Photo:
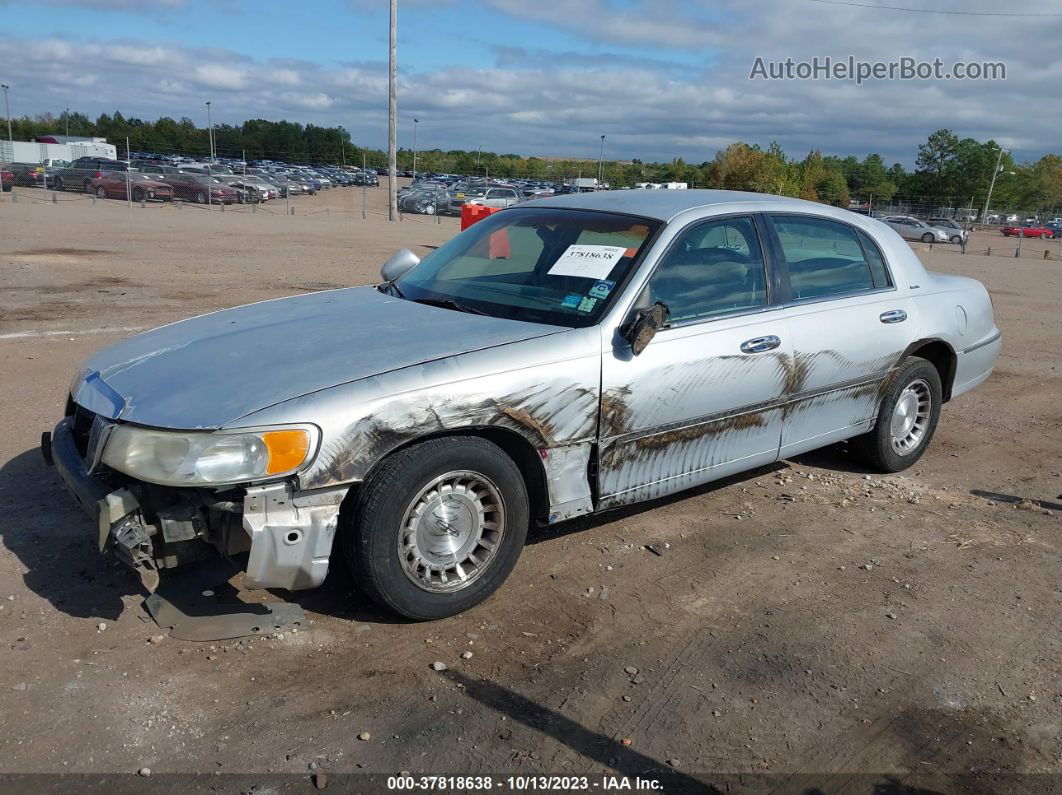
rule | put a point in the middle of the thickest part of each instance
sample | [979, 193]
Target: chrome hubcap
[451, 531]
[910, 417]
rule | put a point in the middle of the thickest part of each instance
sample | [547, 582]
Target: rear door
[849, 326]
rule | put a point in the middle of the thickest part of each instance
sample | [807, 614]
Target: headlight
[173, 458]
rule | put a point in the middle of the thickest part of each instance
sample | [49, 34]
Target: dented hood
[211, 370]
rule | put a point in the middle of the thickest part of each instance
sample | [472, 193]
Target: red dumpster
[470, 213]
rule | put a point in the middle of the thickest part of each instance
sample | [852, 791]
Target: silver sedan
[556, 359]
[911, 228]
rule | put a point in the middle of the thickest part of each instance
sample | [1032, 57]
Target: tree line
[949, 170]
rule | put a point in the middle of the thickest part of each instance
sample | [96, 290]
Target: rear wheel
[101, 192]
[200, 198]
[88, 186]
[907, 418]
[138, 194]
[438, 527]
[57, 184]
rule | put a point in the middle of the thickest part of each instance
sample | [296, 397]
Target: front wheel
[88, 186]
[438, 527]
[927, 238]
[200, 198]
[138, 195]
[907, 418]
[956, 239]
[101, 192]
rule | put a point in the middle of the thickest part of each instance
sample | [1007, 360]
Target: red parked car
[1030, 230]
[111, 185]
[8, 179]
[194, 187]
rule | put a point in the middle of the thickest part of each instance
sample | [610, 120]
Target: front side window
[562, 267]
[824, 257]
[715, 268]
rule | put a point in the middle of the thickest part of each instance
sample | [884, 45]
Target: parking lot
[787, 628]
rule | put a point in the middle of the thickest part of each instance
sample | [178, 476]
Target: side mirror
[399, 263]
[643, 328]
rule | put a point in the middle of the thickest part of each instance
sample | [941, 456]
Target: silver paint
[376, 373]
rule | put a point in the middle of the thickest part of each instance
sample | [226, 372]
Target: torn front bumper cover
[116, 513]
[291, 534]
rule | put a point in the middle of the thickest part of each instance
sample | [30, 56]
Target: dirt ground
[808, 626]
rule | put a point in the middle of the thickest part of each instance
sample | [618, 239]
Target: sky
[659, 78]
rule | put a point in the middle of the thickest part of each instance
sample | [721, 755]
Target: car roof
[665, 204]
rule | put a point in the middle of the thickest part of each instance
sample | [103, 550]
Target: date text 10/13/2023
[543, 783]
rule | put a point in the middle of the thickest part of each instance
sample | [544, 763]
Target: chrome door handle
[760, 344]
[894, 316]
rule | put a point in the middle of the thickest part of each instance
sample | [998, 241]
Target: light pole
[210, 131]
[601, 163]
[66, 117]
[342, 147]
[7, 112]
[392, 111]
[415, 123]
[992, 184]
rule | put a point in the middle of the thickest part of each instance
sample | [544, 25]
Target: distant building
[69, 139]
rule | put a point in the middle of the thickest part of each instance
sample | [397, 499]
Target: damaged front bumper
[287, 535]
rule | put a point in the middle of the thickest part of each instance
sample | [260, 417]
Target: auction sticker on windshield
[587, 261]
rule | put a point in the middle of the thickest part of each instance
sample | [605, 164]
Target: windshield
[541, 265]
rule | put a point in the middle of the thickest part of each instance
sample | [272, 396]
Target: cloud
[641, 79]
[220, 76]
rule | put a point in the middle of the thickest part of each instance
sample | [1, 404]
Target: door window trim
[770, 280]
[782, 265]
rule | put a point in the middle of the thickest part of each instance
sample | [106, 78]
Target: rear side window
[824, 257]
[876, 261]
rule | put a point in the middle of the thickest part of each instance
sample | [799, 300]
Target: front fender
[546, 390]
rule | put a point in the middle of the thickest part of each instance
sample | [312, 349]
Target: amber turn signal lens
[287, 450]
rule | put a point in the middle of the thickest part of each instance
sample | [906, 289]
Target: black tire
[956, 239]
[57, 184]
[927, 238]
[200, 198]
[88, 186]
[372, 526]
[101, 192]
[876, 448]
[138, 194]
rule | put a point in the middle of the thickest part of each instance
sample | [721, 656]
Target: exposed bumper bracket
[291, 535]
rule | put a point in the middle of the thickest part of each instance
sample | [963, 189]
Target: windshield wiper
[447, 303]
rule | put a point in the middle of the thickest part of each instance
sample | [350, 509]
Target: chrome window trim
[770, 304]
[784, 264]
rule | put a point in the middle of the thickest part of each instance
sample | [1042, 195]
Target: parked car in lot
[7, 179]
[956, 233]
[29, 175]
[1055, 227]
[201, 189]
[80, 174]
[141, 187]
[911, 228]
[248, 190]
[1027, 230]
[558, 358]
[425, 199]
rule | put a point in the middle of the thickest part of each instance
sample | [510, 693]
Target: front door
[704, 399]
